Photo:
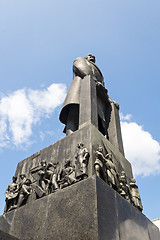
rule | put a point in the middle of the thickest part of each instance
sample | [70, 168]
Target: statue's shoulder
[81, 67]
[79, 60]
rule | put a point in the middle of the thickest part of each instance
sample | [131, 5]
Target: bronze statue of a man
[67, 175]
[99, 163]
[81, 162]
[11, 195]
[70, 111]
[135, 196]
[111, 172]
[124, 189]
[24, 192]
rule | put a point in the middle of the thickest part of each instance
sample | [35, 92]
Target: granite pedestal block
[87, 210]
[6, 236]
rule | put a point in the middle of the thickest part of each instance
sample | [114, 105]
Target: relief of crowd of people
[106, 169]
[47, 177]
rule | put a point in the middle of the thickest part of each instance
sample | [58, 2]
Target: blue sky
[39, 41]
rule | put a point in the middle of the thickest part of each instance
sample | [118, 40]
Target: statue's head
[133, 180]
[43, 163]
[80, 145]
[22, 176]
[100, 149]
[123, 176]
[91, 58]
[28, 181]
[67, 163]
[54, 164]
[14, 179]
[109, 156]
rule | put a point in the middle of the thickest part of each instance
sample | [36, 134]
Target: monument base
[87, 210]
[6, 236]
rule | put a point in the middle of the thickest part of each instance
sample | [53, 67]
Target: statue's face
[28, 182]
[14, 179]
[100, 149]
[22, 176]
[80, 145]
[133, 180]
[43, 163]
[91, 58]
[54, 165]
[67, 163]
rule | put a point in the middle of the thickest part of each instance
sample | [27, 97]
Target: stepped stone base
[87, 210]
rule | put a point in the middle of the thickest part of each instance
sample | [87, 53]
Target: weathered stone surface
[68, 214]
[29, 220]
[87, 210]
[153, 231]
[6, 221]
[73, 213]
[132, 223]
[106, 212]
[6, 236]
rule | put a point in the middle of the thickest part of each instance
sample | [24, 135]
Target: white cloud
[41, 135]
[47, 100]
[126, 117]
[22, 109]
[141, 149]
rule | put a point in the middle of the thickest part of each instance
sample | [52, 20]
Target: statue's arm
[25, 190]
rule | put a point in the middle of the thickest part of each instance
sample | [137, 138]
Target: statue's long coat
[81, 68]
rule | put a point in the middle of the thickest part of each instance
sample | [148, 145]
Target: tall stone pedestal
[88, 210]
[69, 201]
